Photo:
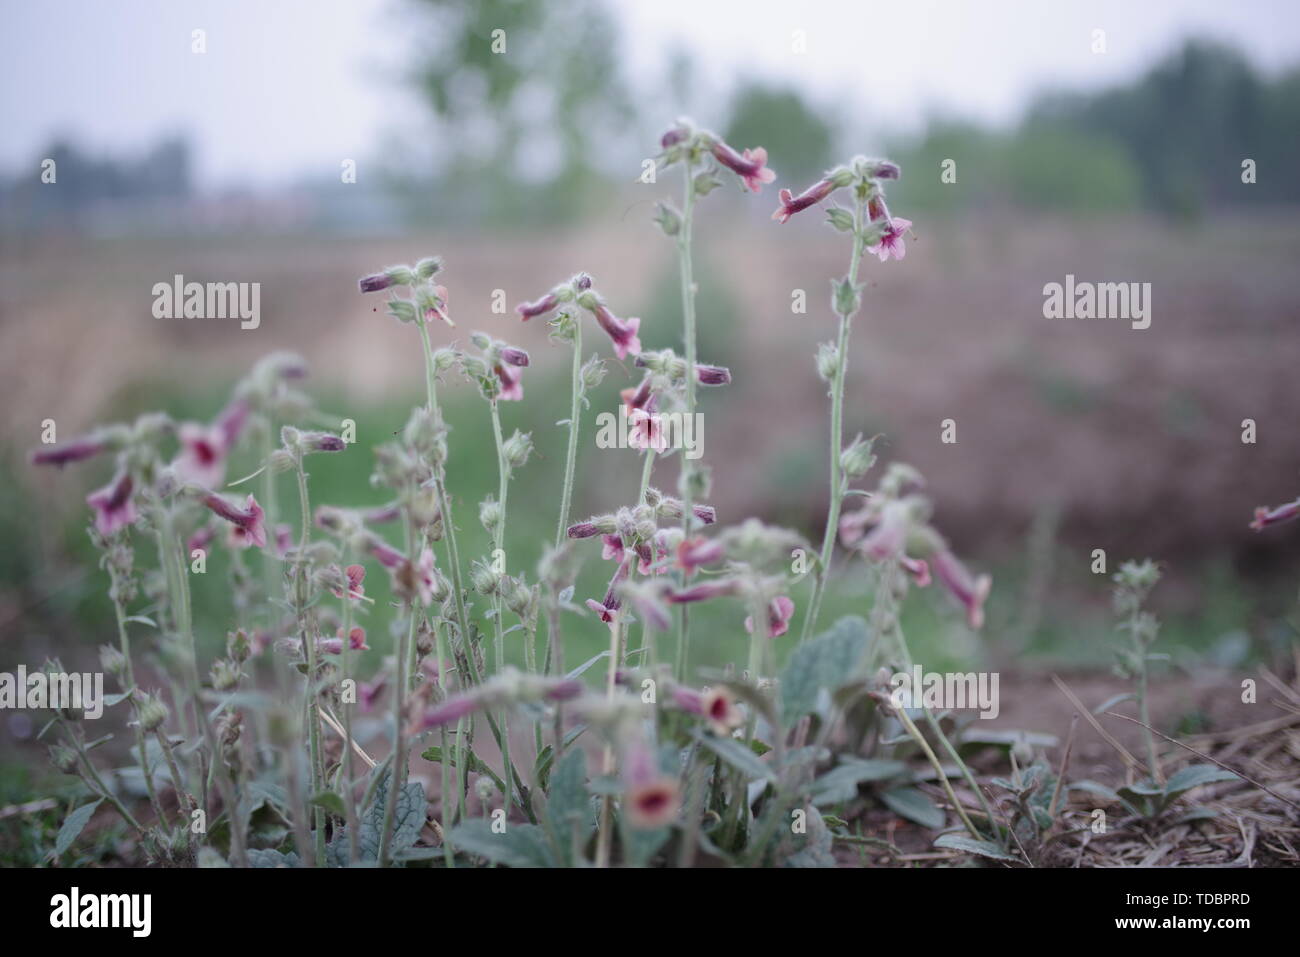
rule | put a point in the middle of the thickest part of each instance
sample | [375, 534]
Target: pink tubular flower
[651, 797]
[621, 331]
[704, 591]
[887, 538]
[716, 705]
[334, 646]
[750, 166]
[649, 607]
[355, 575]
[512, 385]
[1265, 516]
[201, 538]
[78, 450]
[204, 449]
[607, 608]
[969, 591]
[918, 568]
[528, 310]
[712, 375]
[202, 459]
[113, 504]
[437, 309]
[369, 693]
[583, 530]
[813, 195]
[451, 710]
[695, 552]
[283, 539]
[387, 555]
[891, 243]
[779, 612]
[611, 548]
[426, 577]
[247, 523]
[646, 429]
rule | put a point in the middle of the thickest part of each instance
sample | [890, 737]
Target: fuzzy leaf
[738, 756]
[827, 661]
[1194, 776]
[260, 857]
[522, 845]
[964, 842]
[914, 805]
[841, 783]
[72, 827]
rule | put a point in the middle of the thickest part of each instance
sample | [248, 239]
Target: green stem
[837, 416]
[498, 551]
[309, 648]
[399, 741]
[688, 327]
[575, 416]
[350, 769]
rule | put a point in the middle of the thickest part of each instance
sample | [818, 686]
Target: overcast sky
[291, 87]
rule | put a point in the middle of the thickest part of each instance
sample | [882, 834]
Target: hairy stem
[837, 437]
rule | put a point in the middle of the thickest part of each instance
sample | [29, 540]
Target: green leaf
[841, 783]
[964, 842]
[260, 857]
[331, 802]
[827, 661]
[568, 805]
[738, 756]
[546, 757]
[812, 849]
[522, 845]
[912, 804]
[576, 672]
[1195, 776]
[72, 827]
[408, 818]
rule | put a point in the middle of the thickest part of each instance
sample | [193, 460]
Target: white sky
[289, 87]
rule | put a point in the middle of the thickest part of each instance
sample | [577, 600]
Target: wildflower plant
[635, 757]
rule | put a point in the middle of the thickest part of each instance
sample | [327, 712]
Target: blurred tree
[1188, 124]
[528, 97]
[798, 139]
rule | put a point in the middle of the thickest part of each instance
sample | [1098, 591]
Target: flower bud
[489, 514]
[847, 296]
[428, 267]
[593, 372]
[856, 458]
[63, 758]
[224, 675]
[392, 276]
[669, 220]
[517, 449]
[840, 219]
[519, 598]
[484, 578]
[113, 661]
[401, 310]
[828, 361]
[238, 646]
[152, 712]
